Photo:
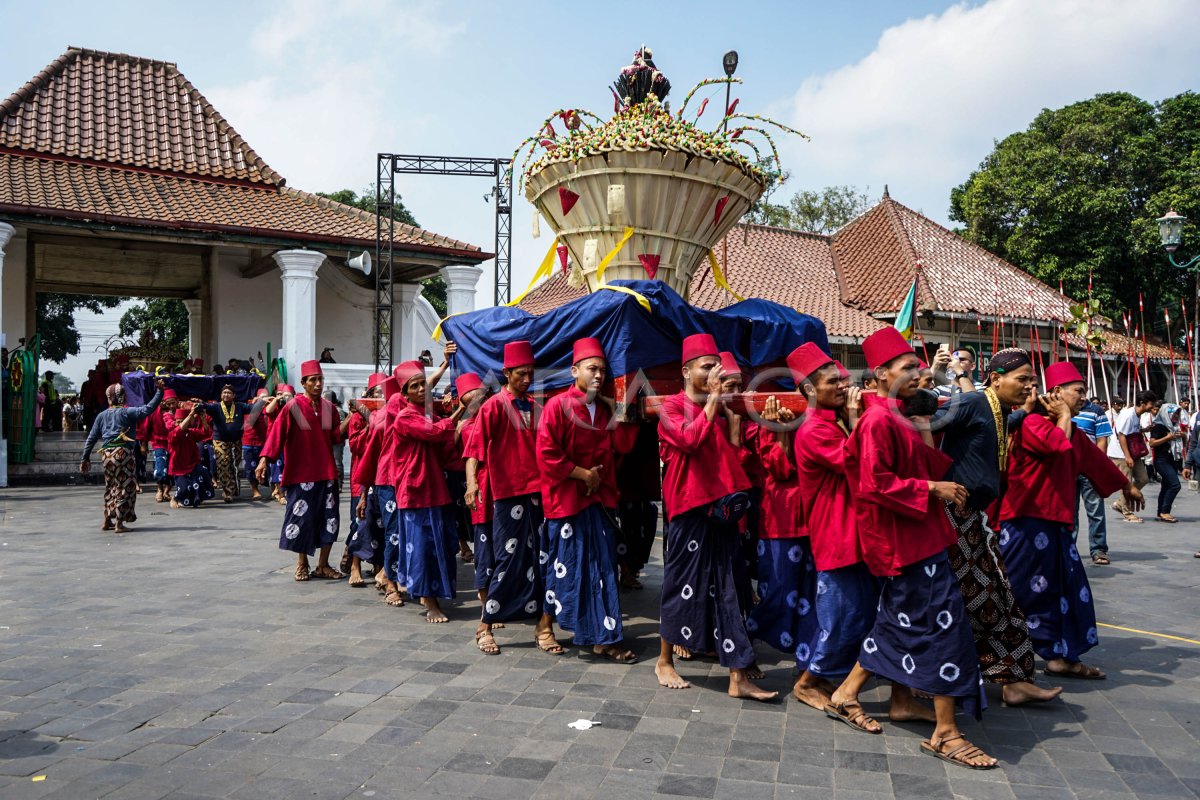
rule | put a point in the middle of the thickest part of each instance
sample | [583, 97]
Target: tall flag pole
[1145, 347]
[1171, 352]
[996, 319]
[906, 317]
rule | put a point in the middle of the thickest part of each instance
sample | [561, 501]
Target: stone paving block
[687, 786]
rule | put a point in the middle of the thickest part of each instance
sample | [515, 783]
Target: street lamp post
[1170, 232]
[730, 63]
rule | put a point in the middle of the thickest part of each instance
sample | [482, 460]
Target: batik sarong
[787, 588]
[1051, 587]
[485, 562]
[922, 637]
[385, 504]
[638, 525]
[275, 471]
[700, 609]
[194, 488]
[310, 520]
[582, 592]
[120, 484]
[427, 565]
[367, 534]
[227, 475]
[161, 465]
[846, 603]
[517, 585]
[250, 456]
[1002, 639]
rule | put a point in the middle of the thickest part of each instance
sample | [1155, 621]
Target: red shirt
[569, 437]
[751, 452]
[701, 465]
[305, 438]
[420, 482]
[889, 467]
[505, 439]
[782, 503]
[366, 442]
[1042, 465]
[385, 467]
[183, 452]
[160, 425]
[254, 427]
[820, 453]
[481, 514]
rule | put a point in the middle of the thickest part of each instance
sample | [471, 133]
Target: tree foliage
[815, 211]
[56, 321]
[432, 289]
[164, 319]
[1079, 191]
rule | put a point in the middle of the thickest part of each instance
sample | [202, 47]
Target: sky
[911, 95]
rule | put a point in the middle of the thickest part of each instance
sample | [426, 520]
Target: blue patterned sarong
[581, 584]
[846, 601]
[311, 518]
[385, 503]
[250, 456]
[485, 562]
[700, 609]
[516, 587]
[367, 534]
[922, 637]
[427, 565]
[194, 488]
[785, 617]
[1051, 586]
[160, 465]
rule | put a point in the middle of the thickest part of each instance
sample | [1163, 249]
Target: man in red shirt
[365, 542]
[787, 581]
[921, 637]
[254, 436]
[1038, 515]
[159, 427]
[384, 490]
[704, 491]
[284, 393]
[504, 442]
[193, 481]
[303, 434]
[577, 442]
[425, 520]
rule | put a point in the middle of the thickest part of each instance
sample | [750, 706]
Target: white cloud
[924, 107]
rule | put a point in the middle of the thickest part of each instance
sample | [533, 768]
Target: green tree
[56, 321]
[433, 289]
[1079, 190]
[164, 318]
[820, 211]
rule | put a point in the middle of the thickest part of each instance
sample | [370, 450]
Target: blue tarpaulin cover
[139, 386]
[757, 332]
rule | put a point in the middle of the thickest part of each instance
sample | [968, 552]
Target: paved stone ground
[182, 660]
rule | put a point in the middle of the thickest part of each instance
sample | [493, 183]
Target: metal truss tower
[388, 166]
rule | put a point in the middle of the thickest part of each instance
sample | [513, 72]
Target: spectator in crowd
[1166, 442]
[1128, 449]
[1094, 425]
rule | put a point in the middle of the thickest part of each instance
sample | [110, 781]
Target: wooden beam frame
[260, 264]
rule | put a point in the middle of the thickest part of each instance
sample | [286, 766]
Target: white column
[194, 308]
[461, 280]
[404, 321]
[6, 233]
[298, 271]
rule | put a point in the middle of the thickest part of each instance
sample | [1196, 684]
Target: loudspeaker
[361, 262]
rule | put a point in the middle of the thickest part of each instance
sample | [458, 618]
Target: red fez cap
[375, 379]
[1060, 373]
[181, 413]
[587, 348]
[261, 392]
[391, 386]
[843, 373]
[309, 368]
[805, 360]
[883, 345]
[285, 387]
[922, 365]
[729, 364]
[699, 344]
[169, 394]
[467, 382]
[518, 354]
[407, 371]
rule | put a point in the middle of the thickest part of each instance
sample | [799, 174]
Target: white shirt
[1127, 422]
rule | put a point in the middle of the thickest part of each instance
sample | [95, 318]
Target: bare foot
[1018, 694]
[741, 686]
[811, 695]
[668, 677]
[175, 503]
[681, 652]
[120, 528]
[909, 710]
[106, 525]
[754, 672]
[356, 578]
[433, 612]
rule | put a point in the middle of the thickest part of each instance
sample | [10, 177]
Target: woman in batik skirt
[189, 473]
[114, 430]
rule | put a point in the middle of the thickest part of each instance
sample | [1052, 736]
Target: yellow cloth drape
[719, 276]
[603, 265]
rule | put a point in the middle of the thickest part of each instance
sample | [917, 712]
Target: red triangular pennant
[650, 264]
[724, 201]
[562, 257]
[567, 198]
